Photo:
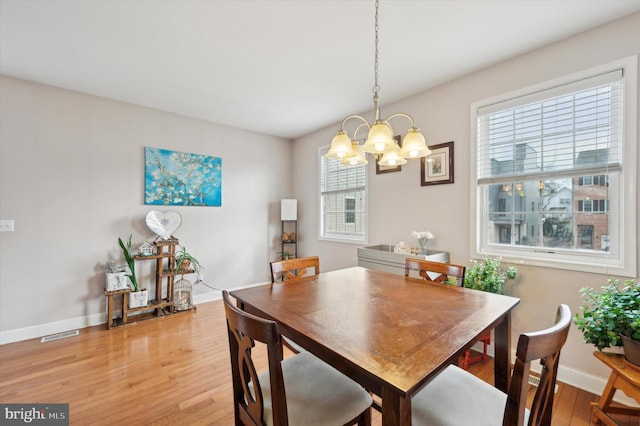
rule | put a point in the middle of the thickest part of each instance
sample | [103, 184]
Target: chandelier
[380, 141]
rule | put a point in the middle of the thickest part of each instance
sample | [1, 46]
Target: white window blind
[342, 199]
[553, 135]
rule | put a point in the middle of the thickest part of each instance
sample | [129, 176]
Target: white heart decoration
[164, 224]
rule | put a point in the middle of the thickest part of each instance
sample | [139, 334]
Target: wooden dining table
[390, 333]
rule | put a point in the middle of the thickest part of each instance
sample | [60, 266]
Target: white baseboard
[37, 331]
[579, 379]
[19, 334]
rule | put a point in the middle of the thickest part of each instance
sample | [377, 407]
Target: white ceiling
[279, 67]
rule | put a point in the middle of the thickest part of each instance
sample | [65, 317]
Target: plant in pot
[116, 276]
[487, 275]
[185, 264]
[138, 297]
[611, 317]
[285, 255]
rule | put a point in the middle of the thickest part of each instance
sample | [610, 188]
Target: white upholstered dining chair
[456, 397]
[300, 390]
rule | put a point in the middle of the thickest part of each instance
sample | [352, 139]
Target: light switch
[6, 225]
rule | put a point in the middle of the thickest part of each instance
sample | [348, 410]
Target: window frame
[349, 239]
[624, 223]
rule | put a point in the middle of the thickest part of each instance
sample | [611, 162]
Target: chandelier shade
[340, 146]
[392, 158]
[355, 157]
[414, 145]
[380, 140]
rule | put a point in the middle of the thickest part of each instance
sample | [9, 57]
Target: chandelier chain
[376, 87]
[380, 140]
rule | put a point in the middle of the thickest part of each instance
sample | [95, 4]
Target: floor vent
[535, 381]
[58, 336]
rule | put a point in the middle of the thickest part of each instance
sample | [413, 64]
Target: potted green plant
[488, 276]
[285, 255]
[186, 263]
[611, 317]
[138, 297]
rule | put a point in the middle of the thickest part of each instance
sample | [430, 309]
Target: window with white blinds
[342, 200]
[552, 166]
[565, 131]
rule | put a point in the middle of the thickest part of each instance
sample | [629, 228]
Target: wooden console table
[623, 377]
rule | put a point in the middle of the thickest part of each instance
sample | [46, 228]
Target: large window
[556, 175]
[342, 200]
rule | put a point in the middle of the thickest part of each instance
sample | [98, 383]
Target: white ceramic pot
[116, 281]
[138, 298]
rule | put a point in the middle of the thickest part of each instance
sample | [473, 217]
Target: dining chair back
[434, 271]
[456, 397]
[293, 269]
[299, 390]
[443, 272]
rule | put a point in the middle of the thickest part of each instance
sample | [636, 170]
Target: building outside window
[343, 214]
[554, 167]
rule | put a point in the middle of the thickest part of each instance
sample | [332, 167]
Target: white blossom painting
[174, 178]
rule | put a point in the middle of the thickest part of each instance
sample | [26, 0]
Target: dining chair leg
[365, 418]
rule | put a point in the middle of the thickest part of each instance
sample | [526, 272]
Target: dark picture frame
[437, 167]
[389, 169]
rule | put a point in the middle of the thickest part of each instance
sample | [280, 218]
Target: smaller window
[349, 210]
[342, 200]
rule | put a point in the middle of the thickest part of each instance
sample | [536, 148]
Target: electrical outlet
[6, 225]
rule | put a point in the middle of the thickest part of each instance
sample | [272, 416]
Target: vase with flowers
[422, 237]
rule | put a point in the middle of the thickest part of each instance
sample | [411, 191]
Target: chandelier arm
[400, 114]
[364, 121]
[355, 133]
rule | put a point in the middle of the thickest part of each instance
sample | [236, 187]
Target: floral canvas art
[174, 178]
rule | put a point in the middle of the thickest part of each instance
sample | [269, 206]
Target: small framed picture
[437, 167]
[389, 169]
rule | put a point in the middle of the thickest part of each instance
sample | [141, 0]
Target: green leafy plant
[610, 313]
[183, 257]
[285, 254]
[129, 258]
[488, 276]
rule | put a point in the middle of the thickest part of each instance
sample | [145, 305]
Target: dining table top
[382, 329]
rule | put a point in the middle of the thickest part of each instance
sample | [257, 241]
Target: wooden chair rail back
[544, 345]
[244, 330]
[445, 270]
[293, 269]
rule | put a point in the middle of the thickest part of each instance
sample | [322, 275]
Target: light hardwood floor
[172, 370]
